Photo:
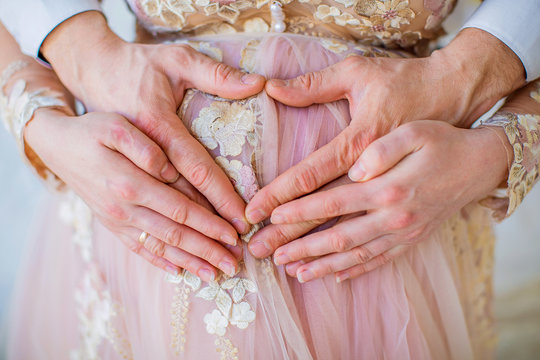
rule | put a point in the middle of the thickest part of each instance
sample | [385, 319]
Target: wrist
[480, 70]
[75, 43]
[496, 151]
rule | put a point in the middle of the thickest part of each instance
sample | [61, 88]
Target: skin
[374, 89]
[110, 75]
[367, 83]
[106, 160]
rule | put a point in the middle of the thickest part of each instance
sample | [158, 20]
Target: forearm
[75, 40]
[477, 69]
[35, 75]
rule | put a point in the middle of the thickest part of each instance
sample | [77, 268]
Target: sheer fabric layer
[432, 303]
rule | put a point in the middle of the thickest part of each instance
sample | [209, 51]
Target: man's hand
[146, 84]
[456, 85]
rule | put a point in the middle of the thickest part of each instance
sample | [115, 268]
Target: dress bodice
[391, 23]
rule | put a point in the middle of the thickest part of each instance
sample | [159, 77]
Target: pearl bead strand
[278, 18]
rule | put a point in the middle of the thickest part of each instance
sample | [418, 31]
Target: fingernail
[277, 219]
[227, 268]
[291, 268]
[206, 275]
[241, 225]
[342, 277]
[260, 249]
[169, 173]
[255, 216]
[280, 259]
[305, 276]
[249, 79]
[229, 239]
[173, 270]
[357, 172]
[278, 82]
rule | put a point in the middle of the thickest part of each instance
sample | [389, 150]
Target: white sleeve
[515, 23]
[30, 21]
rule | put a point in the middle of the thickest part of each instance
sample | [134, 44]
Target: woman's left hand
[409, 182]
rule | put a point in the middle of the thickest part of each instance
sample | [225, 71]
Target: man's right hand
[146, 84]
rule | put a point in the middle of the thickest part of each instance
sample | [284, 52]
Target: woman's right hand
[118, 172]
[146, 84]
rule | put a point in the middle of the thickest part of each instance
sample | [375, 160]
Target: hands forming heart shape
[142, 153]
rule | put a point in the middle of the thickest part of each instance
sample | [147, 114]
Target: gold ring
[143, 237]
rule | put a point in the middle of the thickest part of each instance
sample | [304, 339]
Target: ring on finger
[143, 237]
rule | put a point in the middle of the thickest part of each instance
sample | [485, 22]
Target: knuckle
[361, 254]
[151, 157]
[393, 194]
[311, 81]
[200, 175]
[135, 247]
[339, 242]
[179, 214]
[403, 220]
[412, 132]
[350, 63]
[115, 212]
[306, 181]
[174, 236]
[332, 207]
[222, 73]
[155, 246]
[127, 191]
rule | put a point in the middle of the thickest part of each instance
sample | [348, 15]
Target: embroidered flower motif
[193, 281]
[334, 45]
[242, 315]
[248, 60]
[214, 292]
[239, 287]
[225, 124]
[242, 177]
[215, 323]
[326, 13]
[346, 19]
[395, 12]
[207, 49]
[256, 25]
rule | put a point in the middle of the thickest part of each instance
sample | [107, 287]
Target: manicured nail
[169, 173]
[206, 275]
[259, 249]
[277, 219]
[278, 82]
[249, 79]
[229, 239]
[227, 268]
[173, 270]
[241, 225]
[342, 277]
[291, 268]
[357, 172]
[281, 259]
[257, 215]
[305, 276]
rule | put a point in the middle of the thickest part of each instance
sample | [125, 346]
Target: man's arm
[515, 23]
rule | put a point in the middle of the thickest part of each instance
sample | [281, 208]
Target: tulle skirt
[84, 295]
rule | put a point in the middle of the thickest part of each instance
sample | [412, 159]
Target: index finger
[327, 163]
[199, 168]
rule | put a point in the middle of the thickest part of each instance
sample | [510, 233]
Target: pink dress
[84, 295]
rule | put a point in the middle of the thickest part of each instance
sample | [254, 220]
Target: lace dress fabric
[432, 303]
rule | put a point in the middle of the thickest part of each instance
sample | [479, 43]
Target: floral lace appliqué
[523, 132]
[227, 125]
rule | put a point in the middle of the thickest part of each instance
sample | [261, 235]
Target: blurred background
[517, 265]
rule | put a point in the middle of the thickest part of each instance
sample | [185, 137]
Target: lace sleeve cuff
[17, 109]
[523, 133]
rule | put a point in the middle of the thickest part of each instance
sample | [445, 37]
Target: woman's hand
[456, 84]
[118, 172]
[409, 182]
[146, 84]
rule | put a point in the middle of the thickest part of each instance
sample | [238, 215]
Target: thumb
[382, 155]
[327, 85]
[216, 78]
